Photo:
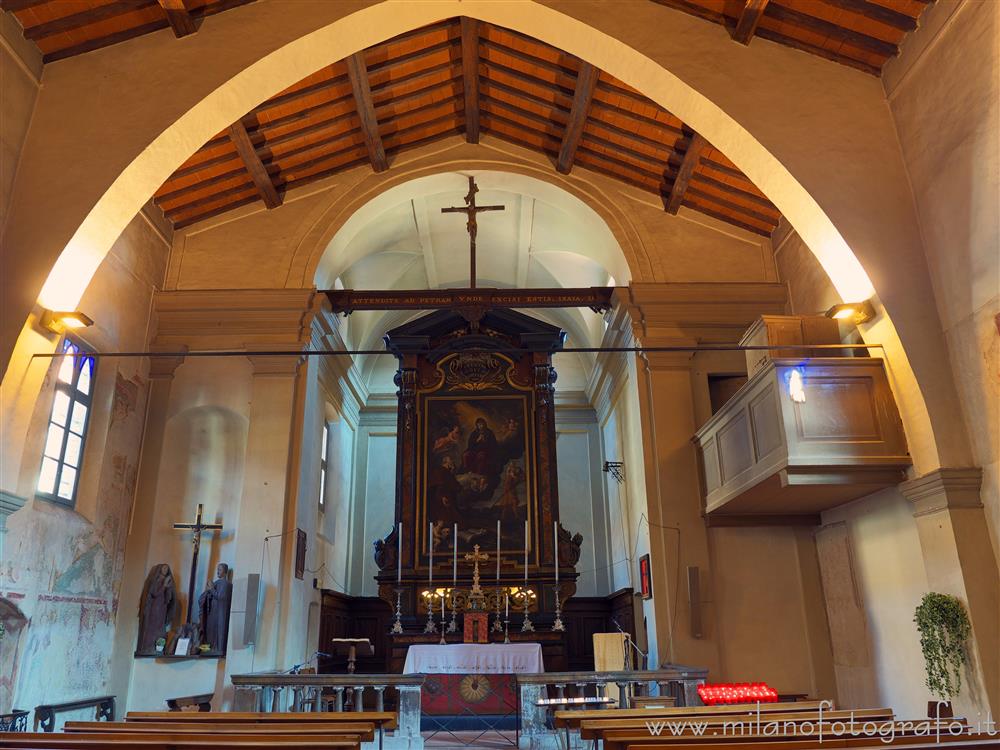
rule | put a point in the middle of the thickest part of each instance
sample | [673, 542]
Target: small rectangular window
[322, 468]
[66, 433]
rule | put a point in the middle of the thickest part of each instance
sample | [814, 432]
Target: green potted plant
[944, 634]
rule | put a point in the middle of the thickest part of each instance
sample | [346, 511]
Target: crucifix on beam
[197, 527]
[470, 210]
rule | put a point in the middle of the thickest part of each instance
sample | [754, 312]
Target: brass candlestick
[397, 625]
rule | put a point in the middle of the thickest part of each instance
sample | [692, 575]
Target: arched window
[59, 476]
[322, 467]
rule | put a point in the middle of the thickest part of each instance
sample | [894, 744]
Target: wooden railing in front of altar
[674, 680]
[276, 692]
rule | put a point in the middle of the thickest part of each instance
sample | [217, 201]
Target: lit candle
[399, 554]
[454, 559]
[555, 539]
[430, 562]
[443, 591]
[506, 605]
[526, 554]
[498, 552]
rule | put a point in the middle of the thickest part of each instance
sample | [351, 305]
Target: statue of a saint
[213, 607]
[157, 609]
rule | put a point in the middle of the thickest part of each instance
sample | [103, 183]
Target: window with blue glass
[67, 429]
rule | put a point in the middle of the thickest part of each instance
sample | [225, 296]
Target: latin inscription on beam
[347, 301]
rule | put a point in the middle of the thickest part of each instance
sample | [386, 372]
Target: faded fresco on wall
[64, 567]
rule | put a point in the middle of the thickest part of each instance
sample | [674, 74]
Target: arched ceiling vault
[460, 76]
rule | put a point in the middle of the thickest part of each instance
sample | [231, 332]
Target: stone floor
[455, 740]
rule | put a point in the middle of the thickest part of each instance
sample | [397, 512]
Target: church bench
[153, 741]
[575, 717]
[905, 742]
[588, 727]
[387, 720]
[363, 731]
[902, 733]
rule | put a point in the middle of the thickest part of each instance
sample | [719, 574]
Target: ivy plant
[944, 633]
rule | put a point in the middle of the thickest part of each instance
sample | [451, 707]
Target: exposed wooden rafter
[179, 17]
[357, 73]
[746, 27]
[691, 158]
[470, 77]
[261, 178]
[586, 81]
[529, 94]
[875, 12]
[75, 21]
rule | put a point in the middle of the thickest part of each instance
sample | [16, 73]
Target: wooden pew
[383, 719]
[705, 729]
[573, 718]
[589, 728]
[904, 742]
[155, 741]
[360, 731]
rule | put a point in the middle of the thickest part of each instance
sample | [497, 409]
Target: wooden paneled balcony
[775, 453]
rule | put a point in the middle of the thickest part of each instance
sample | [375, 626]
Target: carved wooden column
[959, 560]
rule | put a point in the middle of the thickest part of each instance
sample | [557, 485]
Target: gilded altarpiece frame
[476, 442]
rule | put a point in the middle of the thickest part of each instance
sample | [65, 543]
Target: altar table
[474, 658]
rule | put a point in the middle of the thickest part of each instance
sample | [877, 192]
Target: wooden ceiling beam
[691, 158]
[879, 13]
[181, 20]
[241, 139]
[83, 18]
[823, 52]
[855, 39]
[586, 80]
[15, 5]
[750, 16]
[470, 77]
[357, 72]
[105, 41]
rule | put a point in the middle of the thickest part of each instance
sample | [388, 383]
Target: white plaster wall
[582, 507]
[889, 569]
[62, 566]
[944, 95]
[202, 461]
[375, 497]
[20, 73]
[335, 528]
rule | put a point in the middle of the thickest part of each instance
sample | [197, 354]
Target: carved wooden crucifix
[470, 210]
[197, 527]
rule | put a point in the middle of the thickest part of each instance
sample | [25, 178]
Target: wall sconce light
[856, 312]
[615, 469]
[58, 322]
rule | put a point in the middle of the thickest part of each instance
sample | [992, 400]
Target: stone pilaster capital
[163, 365]
[275, 365]
[944, 489]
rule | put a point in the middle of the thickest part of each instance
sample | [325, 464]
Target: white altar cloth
[474, 658]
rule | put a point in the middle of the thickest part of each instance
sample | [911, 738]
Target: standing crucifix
[197, 527]
[470, 210]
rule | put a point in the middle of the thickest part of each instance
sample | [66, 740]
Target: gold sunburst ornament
[474, 688]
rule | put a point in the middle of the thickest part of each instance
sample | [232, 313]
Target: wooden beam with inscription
[241, 139]
[746, 27]
[357, 73]
[586, 80]
[470, 77]
[179, 17]
[687, 168]
[349, 300]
